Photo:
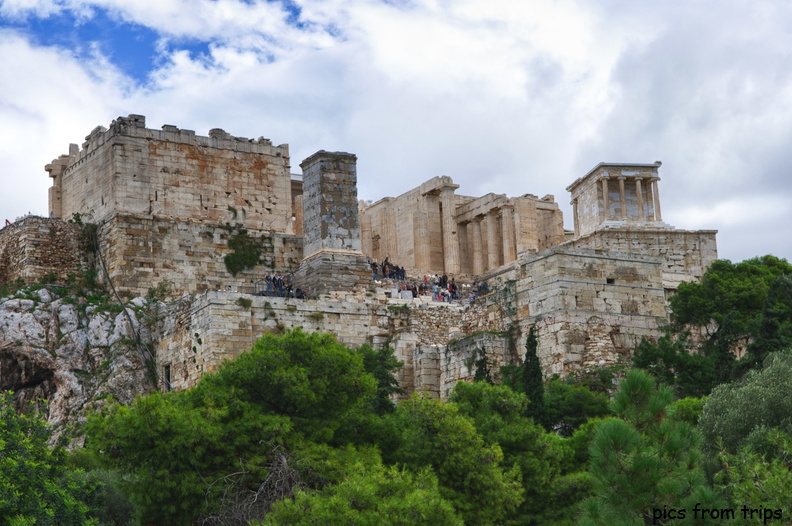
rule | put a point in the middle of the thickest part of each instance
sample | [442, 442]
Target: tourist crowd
[439, 287]
[281, 286]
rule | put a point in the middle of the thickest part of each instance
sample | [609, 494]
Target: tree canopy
[737, 309]
[36, 486]
[643, 461]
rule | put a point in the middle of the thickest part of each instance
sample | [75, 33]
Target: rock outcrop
[67, 354]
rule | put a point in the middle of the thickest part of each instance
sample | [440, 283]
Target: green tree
[369, 493]
[36, 486]
[692, 374]
[687, 410]
[568, 406]
[498, 414]
[747, 304]
[287, 391]
[758, 480]
[309, 378]
[381, 364]
[763, 400]
[644, 462]
[470, 471]
[775, 325]
[533, 380]
[727, 289]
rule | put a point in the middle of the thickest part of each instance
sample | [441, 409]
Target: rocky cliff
[68, 354]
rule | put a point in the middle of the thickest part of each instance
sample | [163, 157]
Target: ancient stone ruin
[215, 215]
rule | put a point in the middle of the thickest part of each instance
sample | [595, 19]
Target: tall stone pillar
[450, 237]
[575, 217]
[55, 170]
[507, 229]
[478, 260]
[605, 203]
[656, 201]
[493, 242]
[421, 238]
[332, 257]
[622, 197]
[639, 191]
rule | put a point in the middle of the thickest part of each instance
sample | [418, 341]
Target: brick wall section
[35, 247]
[143, 251]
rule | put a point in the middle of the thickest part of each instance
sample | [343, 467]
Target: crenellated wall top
[134, 126]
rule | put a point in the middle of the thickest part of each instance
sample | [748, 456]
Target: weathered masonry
[432, 229]
[215, 214]
[171, 204]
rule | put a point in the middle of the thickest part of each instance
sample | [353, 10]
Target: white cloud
[504, 96]
[47, 100]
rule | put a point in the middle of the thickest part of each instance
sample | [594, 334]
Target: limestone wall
[37, 247]
[590, 308]
[174, 173]
[460, 358]
[685, 254]
[203, 330]
[574, 341]
[142, 251]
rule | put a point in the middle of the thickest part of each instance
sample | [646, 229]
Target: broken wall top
[174, 173]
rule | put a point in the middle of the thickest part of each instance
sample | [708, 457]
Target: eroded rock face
[67, 356]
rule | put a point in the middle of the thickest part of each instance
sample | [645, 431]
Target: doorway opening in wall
[610, 281]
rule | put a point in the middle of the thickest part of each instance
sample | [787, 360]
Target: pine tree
[645, 464]
[533, 380]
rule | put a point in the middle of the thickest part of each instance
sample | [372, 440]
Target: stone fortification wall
[589, 307]
[461, 357]
[142, 251]
[202, 331]
[685, 254]
[562, 279]
[575, 341]
[174, 173]
[36, 247]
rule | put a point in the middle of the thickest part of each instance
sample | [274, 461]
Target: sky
[504, 96]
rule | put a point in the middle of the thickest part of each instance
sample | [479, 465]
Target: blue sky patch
[132, 48]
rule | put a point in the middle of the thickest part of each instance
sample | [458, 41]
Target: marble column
[638, 190]
[575, 218]
[493, 241]
[507, 230]
[476, 251]
[605, 203]
[656, 200]
[421, 255]
[623, 198]
[450, 238]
